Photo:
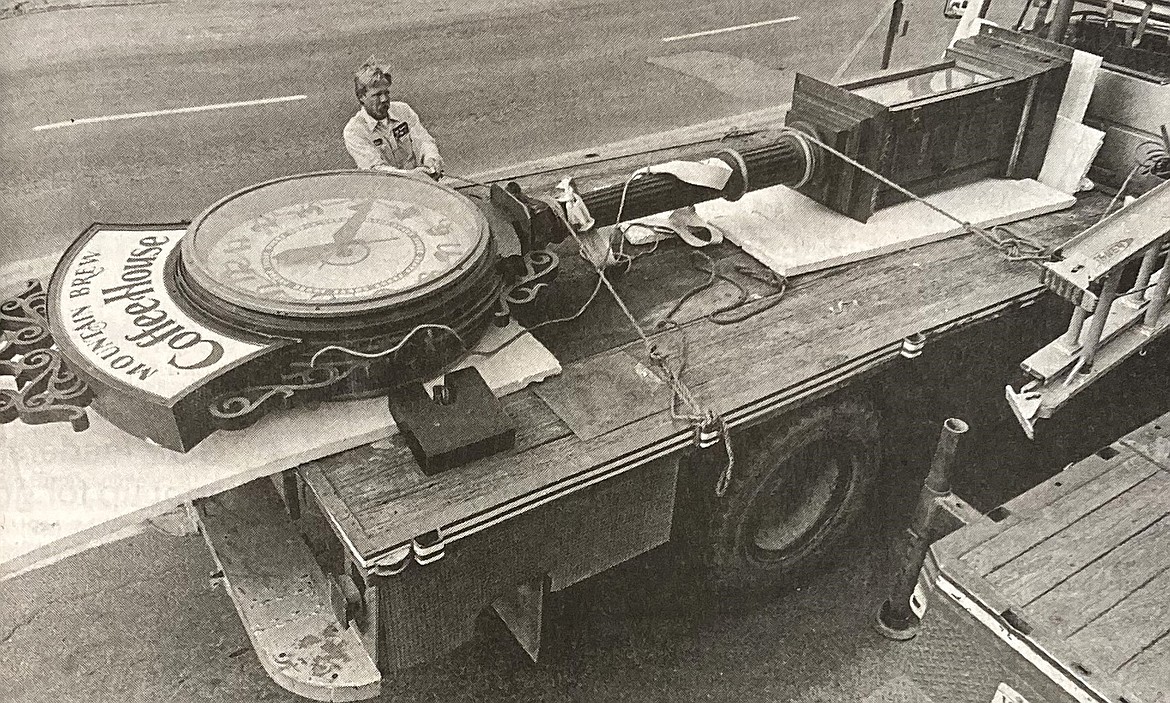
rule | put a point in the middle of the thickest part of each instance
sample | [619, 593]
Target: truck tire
[798, 486]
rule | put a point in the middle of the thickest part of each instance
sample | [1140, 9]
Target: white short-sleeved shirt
[399, 141]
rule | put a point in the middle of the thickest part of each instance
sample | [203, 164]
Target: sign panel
[114, 307]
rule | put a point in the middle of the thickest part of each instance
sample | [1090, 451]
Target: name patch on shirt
[400, 130]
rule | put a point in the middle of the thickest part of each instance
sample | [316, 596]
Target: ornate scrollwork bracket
[303, 382]
[47, 390]
[540, 269]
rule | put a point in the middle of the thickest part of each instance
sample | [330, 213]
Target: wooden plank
[1022, 508]
[1078, 90]
[1152, 441]
[797, 345]
[1050, 563]
[1148, 674]
[1102, 584]
[103, 481]
[758, 222]
[605, 392]
[1128, 628]
[353, 484]
[1042, 524]
[282, 597]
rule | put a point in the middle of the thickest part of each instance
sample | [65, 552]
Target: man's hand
[420, 172]
[435, 164]
[426, 171]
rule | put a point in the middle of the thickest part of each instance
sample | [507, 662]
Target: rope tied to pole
[708, 426]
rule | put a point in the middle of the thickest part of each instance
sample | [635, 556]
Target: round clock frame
[437, 268]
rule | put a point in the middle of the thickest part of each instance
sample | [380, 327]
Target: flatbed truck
[827, 389]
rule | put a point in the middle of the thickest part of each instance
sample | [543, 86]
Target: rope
[1151, 157]
[720, 316]
[724, 481]
[485, 353]
[695, 414]
[468, 181]
[1013, 247]
[390, 350]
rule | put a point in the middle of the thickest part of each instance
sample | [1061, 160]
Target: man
[385, 135]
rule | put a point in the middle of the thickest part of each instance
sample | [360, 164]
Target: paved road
[498, 81]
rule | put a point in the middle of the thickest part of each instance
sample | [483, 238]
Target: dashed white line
[174, 111]
[709, 32]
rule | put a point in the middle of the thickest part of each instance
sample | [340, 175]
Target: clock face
[333, 242]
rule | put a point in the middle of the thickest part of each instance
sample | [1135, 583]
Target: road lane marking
[174, 111]
[709, 32]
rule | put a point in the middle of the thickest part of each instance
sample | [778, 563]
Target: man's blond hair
[371, 72]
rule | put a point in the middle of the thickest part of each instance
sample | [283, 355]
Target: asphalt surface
[498, 82]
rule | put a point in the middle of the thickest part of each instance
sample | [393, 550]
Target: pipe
[1158, 298]
[782, 161]
[891, 33]
[896, 619]
[1136, 294]
[1060, 18]
[938, 479]
[1071, 339]
[1097, 322]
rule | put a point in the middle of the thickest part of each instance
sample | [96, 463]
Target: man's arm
[424, 144]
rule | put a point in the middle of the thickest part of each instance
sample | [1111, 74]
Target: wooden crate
[1066, 589]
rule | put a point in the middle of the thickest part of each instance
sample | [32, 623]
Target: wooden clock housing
[987, 110]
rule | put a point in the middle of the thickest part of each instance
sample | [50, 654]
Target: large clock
[322, 286]
[350, 253]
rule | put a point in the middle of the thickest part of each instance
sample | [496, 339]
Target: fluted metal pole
[781, 161]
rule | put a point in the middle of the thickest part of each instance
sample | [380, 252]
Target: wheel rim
[797, 502]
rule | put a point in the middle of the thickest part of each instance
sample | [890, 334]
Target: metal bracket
[47, 389]
[1025, 405]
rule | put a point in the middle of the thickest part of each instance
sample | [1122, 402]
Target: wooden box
[986, 111]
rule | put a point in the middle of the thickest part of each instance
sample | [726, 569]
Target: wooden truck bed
[1073, 579]
[592, 479]
[608, 412]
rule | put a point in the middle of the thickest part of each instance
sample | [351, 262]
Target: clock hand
[349, 230]
[304, 255]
